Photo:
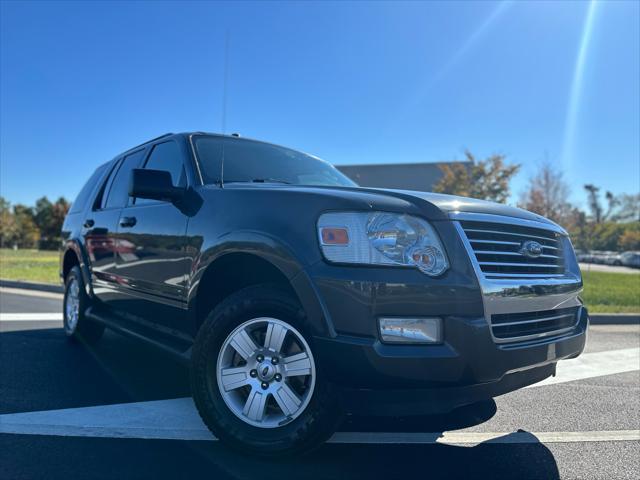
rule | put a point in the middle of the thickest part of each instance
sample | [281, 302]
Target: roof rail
[152, 140]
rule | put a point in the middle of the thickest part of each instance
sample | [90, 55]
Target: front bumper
[380, 379]
[468, 357]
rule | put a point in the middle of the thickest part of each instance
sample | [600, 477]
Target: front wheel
[255, 380]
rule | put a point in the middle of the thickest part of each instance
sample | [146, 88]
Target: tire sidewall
[74, 274]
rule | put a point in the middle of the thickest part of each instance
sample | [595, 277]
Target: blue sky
[349, 82]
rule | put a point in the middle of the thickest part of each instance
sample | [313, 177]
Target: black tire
[84, 330]
[313, 426]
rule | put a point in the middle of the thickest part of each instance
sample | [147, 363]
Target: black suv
[295, 295]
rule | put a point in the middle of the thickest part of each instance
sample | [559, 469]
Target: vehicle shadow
[462, 417]
[515, 455]
[45, 370]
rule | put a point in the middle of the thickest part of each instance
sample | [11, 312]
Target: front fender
[277, 253]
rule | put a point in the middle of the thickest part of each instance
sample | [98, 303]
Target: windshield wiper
[260, 180]
[270, 180]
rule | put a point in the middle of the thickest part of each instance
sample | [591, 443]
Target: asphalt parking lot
[122, 410]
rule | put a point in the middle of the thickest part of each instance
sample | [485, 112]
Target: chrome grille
[512, 327]
[497, 248]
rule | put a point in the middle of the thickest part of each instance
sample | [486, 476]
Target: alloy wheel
[266, 372]
[72, 305]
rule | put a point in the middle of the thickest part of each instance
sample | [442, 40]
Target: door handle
[127, 221]
[88, 223]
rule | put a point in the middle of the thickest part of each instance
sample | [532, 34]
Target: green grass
[29, 265]
[606, 292]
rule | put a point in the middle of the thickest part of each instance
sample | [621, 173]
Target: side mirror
[153, 184]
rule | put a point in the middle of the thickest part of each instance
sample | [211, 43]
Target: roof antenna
[224, 100]
[225, 74]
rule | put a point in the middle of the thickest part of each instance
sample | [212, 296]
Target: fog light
[411, 330]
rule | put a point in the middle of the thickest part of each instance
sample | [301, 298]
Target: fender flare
[279, 255]
[74, 245]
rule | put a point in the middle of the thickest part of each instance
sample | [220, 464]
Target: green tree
[580, 229]
[49, 218]
[593, 199]
[7, 225]
[611, 235]
[628, 208]
[486, 179]
[629, 240]
[598, 212]
[27, 233]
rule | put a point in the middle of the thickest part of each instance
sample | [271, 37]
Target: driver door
[151, 263]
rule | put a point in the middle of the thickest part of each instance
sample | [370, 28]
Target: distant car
[590, 257]
[614, 259]
[294, 295]
[630, 259]
[583, 256]
[600, 257]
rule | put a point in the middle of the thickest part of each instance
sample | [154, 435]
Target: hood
[437, 205]
[454, 203]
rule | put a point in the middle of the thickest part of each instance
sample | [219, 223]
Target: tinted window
[84, 196]
[247, 161]
[166, 156]
[119, 192]
[101, 197]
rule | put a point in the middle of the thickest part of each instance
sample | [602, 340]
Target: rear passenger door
[100, 227]
[151, 263]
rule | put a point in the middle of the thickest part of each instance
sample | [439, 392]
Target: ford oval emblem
[531, 249]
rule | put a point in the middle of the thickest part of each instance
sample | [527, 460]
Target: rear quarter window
[119, 191]
[86, 194]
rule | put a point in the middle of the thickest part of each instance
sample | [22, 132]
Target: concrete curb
[596, 318]
[42, 287]
[615, 318]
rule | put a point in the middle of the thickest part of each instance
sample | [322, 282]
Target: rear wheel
[255, 380]
[76, 301]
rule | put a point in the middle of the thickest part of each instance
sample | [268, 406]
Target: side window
[100, 201]
[83, 197]
[119, 191]
[166, 156]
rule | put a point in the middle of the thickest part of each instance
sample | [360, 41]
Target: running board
[131, 329]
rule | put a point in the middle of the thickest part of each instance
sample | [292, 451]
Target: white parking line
[31, 293]
[174, 419]
[597, 364]
[30, 317]
[475, 438]
[177, 419]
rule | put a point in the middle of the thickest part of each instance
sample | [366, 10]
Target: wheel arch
[72, 256]
[237, 263]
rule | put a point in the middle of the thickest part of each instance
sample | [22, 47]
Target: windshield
[252, 161]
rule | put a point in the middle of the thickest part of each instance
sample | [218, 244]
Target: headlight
[380, 238]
